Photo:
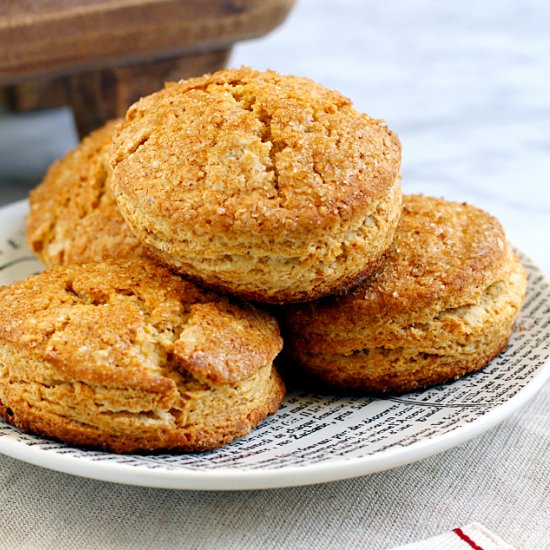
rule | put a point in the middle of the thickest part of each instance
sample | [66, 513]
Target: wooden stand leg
[102, 95]
[36, 94]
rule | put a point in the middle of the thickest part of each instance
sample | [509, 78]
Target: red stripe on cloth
[460, 533]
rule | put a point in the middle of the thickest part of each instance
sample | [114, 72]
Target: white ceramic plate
[313, 438]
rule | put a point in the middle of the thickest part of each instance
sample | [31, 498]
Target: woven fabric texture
[499, 479]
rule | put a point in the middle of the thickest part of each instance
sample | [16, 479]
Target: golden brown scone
[442, 306]
[128, 357]
[73, 214]
[270, 187]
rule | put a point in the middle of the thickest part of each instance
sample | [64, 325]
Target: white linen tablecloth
[500, 480]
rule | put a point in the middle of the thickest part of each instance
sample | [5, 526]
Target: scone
[125, 356]
[269, 187]
[73, 215]
[442, 306]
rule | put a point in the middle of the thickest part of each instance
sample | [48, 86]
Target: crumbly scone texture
[73, 215]
[443, 305]
[248, 180]
[340, 262]
[126, 356]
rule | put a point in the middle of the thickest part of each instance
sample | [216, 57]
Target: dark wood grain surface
[58, 37]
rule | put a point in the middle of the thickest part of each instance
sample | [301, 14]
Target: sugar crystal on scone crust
[73, 215]
[270, 187]
[443, 305]
[126, 356]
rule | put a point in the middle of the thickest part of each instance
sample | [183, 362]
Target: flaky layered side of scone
[125, 356]
[73, 215]
[270, 187]
[442, 306]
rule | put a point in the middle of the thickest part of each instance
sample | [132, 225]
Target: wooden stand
[99, 56]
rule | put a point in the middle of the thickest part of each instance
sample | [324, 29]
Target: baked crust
[442, 305]
[73, 215]
[251, 180]
[126, 356]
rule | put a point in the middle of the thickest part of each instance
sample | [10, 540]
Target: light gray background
[467, 87]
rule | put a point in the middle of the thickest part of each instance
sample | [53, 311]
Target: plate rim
[230, 479]
[233, 479]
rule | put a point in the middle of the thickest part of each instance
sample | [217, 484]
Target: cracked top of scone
[73, 214]
[252, 152]
[132, 324]
[444, 256]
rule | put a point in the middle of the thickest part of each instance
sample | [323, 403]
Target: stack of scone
[240, 185]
